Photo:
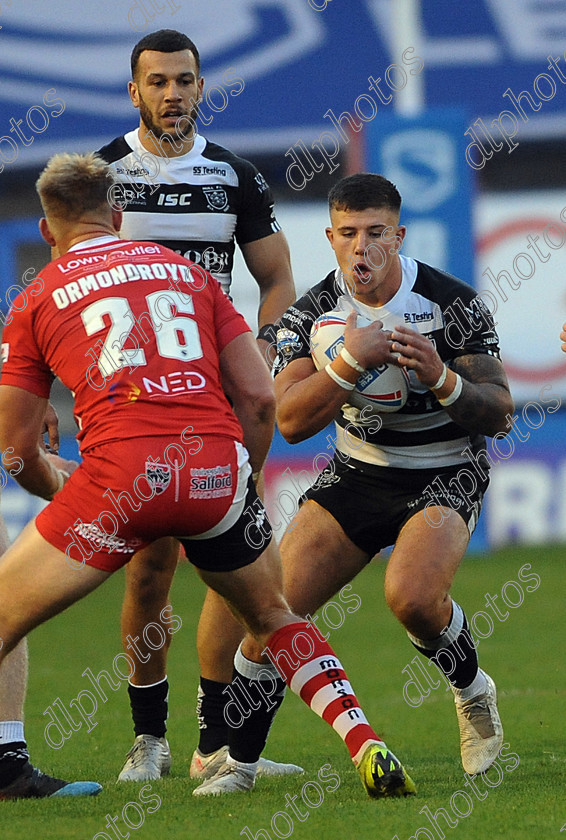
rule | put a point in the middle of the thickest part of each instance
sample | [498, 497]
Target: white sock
[477, 686]
[11, 731]
[448, 635]
[150, 685]
[254, 670]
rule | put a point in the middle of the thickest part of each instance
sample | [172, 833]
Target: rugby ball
[385, 388]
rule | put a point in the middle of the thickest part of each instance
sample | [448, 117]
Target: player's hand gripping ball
[385, 388]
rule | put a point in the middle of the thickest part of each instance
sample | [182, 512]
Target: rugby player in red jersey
[151, 348]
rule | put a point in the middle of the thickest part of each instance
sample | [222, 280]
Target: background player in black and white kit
[199, 199]
[195, 196]
[402, 479]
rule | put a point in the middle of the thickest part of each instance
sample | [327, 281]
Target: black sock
[149, 708]
[213, 729]
[453, 651]
[13, 758]
[254, 696]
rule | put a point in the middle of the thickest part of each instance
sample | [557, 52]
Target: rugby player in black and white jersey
[199, 199]
[401, 482]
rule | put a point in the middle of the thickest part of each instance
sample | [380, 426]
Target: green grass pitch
[525, 654]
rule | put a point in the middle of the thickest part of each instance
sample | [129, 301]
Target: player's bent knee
[414, 613]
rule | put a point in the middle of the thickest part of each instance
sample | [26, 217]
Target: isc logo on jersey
[174, 200]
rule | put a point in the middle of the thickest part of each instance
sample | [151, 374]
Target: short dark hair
[363, 190]
[165, 40]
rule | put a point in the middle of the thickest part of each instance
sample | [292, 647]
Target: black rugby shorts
[372, 505]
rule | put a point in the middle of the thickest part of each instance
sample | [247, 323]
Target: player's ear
[46, 232]
[394, 238]
[134, 96]
[330, 235]
[200, 88]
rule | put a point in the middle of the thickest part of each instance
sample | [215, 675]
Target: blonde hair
[73, 184]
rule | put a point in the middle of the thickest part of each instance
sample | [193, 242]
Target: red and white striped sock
[320, 680]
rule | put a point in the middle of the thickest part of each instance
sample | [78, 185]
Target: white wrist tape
[441, 379]
[451, 398]
[349, 359]
[348, 386]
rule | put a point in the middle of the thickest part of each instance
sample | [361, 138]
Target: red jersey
[134, 331]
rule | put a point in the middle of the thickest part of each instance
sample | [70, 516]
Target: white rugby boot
[149, 758]
[481, 732]
[205, 766]
[231, 777]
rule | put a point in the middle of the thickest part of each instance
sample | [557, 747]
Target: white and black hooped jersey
[198, 204]
[420, 435]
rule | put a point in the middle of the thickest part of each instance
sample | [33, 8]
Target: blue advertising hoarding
[424, 157]
[273, 68]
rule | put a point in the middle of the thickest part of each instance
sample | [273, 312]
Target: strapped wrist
[348, 386]
[441, 379]
[451, 398]
[351, 361]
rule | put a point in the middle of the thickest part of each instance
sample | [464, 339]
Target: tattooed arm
[485, 403]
